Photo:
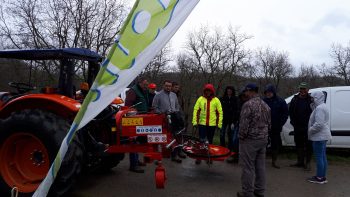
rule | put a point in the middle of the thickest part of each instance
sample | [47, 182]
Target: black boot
[300, 155]
[307, 167]
[274, 159]
[230, 159]
[136, 169]
[182, 155]
[176, 159]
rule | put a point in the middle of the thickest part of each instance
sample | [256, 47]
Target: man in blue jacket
[279, 116]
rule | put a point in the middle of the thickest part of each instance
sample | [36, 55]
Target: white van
[338, 102]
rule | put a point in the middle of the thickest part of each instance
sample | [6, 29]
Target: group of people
[261, 122]
[143, 97]
[251, 123]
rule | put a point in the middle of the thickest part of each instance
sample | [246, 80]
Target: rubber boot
[274, 159]
[300, 157]
[307, 166]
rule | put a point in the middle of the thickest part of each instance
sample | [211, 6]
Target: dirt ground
[221, 179]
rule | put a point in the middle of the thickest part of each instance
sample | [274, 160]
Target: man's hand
[232, 126]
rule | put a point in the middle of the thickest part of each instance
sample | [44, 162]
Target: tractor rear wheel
[110, 161]
[29, 142]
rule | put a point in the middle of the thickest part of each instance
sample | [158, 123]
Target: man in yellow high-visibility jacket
[207, 114]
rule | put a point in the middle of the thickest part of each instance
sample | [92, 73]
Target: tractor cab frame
[66, 57]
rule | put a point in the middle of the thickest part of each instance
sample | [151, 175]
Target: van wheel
[30, 140]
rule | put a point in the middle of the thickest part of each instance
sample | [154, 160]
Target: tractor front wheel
[29, 142]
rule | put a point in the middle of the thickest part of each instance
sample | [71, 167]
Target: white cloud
[306, 29]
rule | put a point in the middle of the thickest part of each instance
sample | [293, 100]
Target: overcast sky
[304, 28]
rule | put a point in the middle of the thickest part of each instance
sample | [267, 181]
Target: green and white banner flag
[149, 26]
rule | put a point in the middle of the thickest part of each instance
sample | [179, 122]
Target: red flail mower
[152, 135]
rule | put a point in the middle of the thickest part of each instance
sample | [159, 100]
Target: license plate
[132, 121]
[156, 138]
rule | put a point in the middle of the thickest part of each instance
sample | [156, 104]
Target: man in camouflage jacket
[254, 126]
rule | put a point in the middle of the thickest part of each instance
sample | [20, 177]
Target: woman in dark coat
[229, 106]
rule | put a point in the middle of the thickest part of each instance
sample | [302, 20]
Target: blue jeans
[319, 148]
[134, 160]
[206, 133]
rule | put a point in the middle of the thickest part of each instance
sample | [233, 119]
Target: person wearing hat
[207, 115]
[254, 126]
[279, 116]
[151, 92]
[299, 113]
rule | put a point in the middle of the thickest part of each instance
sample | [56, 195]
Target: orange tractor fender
[57, 104]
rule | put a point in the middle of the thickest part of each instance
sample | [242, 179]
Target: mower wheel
[29, 142]
[160, 179]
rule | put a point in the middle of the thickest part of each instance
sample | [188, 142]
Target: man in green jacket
[137, 96]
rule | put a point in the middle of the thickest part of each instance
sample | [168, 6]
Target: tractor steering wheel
[22, 87]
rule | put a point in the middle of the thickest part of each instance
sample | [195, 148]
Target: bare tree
[218, 55]
[329, 75]
[308, 73]
[159, 64]
[208, 51]
[238, 56]
[341, 58]
[272, 66]
[40, 24]
[189, 78]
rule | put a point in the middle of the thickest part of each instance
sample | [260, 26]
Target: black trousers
[303, 145]
[275, 139]
[177, 123]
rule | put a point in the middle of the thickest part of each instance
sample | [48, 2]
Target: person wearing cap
[299, 113]
[207, 115]
[255, 123]
[152, 92]
[166, 102]
[319, 133]
[279, 116]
